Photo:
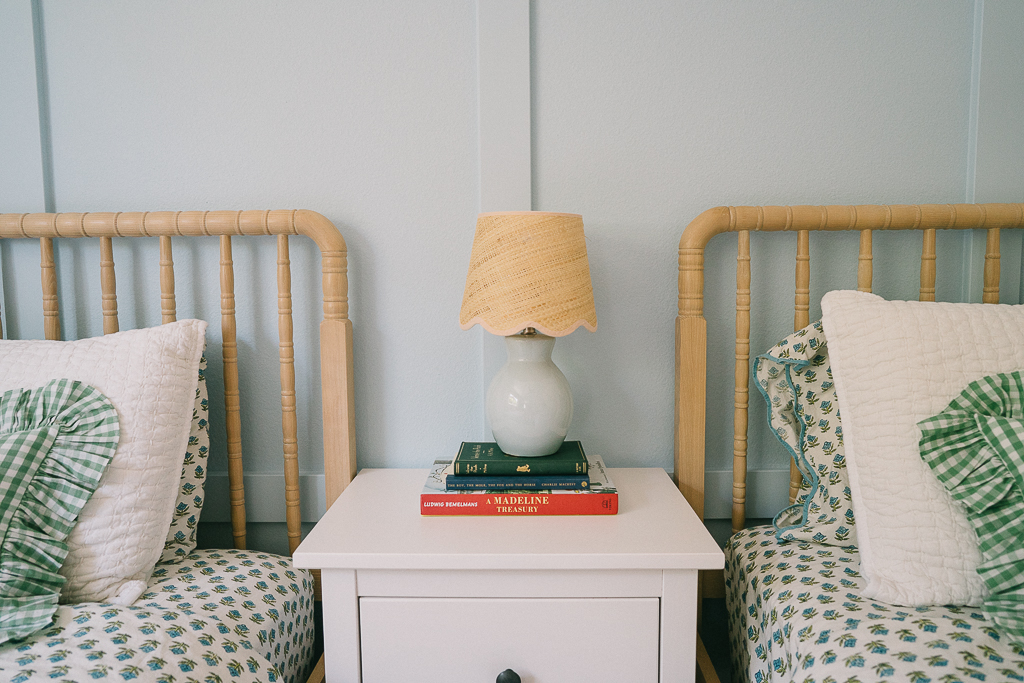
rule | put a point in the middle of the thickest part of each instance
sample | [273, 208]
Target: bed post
[691, 381]
[691, 369]
[691, 357]
[335, 355]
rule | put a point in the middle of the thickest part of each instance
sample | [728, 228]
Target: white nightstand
[556, 599]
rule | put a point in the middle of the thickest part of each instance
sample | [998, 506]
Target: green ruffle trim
[975, 449]
[55, 443]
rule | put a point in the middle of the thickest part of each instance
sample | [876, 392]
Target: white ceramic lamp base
[529, 403]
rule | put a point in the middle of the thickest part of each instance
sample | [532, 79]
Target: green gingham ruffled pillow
[181, 537]
[55, 443]
[795, 379]
[976, 449]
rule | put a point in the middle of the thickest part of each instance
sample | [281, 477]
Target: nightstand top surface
[376, 524]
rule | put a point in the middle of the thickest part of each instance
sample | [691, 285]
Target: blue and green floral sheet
[213, 616]
[795, 614]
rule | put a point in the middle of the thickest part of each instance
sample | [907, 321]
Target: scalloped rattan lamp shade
[529, 269]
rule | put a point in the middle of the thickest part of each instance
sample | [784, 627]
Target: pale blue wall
[643, 115]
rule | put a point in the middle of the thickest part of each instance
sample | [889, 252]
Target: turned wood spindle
[51, 312]
[742, 392]
[864, 257]
[232, 411]
[289, 423]
[108, 286]
[168, 314]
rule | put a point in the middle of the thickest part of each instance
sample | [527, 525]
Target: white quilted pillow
[150, 376]
[896, 363]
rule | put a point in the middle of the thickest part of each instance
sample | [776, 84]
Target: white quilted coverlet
[150, 376]
[895, 363]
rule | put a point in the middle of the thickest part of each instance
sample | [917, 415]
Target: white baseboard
[767, 493]
[264, 497]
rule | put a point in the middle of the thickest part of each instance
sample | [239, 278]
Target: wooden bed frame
[335, 330]
[691, 326]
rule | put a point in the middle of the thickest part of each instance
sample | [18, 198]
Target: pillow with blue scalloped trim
[795, 379]
[181, 536]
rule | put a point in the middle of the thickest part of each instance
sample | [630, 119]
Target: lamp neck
[529, 348]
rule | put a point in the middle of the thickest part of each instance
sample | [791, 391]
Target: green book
[480, 459]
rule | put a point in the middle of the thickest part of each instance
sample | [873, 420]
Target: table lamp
[529, 281]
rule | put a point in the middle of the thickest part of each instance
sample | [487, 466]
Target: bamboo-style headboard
[691, 327]
[335, 330]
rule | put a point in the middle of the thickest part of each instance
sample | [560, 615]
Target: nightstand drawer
[549, 640]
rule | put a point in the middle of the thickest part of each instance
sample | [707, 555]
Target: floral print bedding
[795, 614]
[212, 616]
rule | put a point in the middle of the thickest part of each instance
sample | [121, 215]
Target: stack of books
[482, 480]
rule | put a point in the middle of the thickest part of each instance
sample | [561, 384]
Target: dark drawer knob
[508, 676]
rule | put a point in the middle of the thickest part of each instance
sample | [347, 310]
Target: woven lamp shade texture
[529, 269]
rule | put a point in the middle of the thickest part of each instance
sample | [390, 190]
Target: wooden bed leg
[705, 669]
[318, 673]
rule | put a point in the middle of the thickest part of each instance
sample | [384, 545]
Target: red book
[600, 499]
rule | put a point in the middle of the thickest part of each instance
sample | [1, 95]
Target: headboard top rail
[864, 217]
[173, 223]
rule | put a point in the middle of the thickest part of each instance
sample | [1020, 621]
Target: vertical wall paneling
[503, 82]
[21, 173]
[971, 269]
[972, 122]
[999, 135]
[43, 100]
[995, 168]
